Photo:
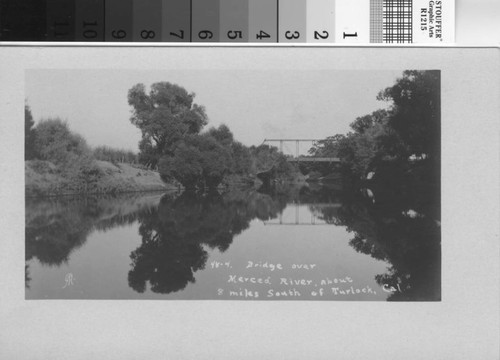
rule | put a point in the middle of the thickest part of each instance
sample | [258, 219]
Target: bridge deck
[313, 159]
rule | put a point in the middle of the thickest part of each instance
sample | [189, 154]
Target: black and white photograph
[211, 202]
[234, 185]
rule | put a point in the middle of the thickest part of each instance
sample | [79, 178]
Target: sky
[255, 104]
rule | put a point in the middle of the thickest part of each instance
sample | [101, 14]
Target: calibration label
[231, 21]
[394, 21]
[434, 21]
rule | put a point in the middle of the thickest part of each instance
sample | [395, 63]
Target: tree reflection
[398, 223]
[176, 239]
[54, 228]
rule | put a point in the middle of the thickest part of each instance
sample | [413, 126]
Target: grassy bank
[43, 178]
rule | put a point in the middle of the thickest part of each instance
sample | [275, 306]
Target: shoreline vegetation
[43, 178]
[176, 152]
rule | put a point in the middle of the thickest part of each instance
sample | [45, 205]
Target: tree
[363, 123]
[415, 111]
[242, 160]
[184, 165]
[165, 116]
[29, 134]
[198, 161]
[55, 142]
[216, 159]
[328, 147]
[266, 157]
[222, 134]
[106, 153]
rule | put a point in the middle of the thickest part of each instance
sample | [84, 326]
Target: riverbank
[43, 178]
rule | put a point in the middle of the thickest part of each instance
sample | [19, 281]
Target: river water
[312, 243]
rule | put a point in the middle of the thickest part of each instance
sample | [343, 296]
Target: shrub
[56, 143]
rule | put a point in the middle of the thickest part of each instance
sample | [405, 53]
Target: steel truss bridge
[300, 219]
[297, 157]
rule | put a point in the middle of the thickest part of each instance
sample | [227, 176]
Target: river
[312, 243]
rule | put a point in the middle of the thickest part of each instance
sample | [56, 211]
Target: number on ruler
[318, 36]
[289, 35]
[118, 34]
[89, 33]
[234, 34]
[180, 35]
[205, 34]
[351, 35]
[147, 34]
[262, 35]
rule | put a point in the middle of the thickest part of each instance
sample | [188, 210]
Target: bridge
[297, 157]
[299, 218]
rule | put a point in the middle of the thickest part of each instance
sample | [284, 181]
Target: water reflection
[173, 240]
[178, 233]
[56, 227]
[397, 221]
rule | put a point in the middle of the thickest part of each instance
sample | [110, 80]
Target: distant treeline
[52, 140]
[106, 153]
[61, 161]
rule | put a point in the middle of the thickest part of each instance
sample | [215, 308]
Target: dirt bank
[42, 178]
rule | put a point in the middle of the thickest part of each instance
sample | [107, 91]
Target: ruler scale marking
[176, 20]
[234, 20]
[119, 20]
[205, 22]
[89, 20]
[60, 20]
[229, 21]
[321, 21]
[262, 21]
[147, 20]
[292, 21]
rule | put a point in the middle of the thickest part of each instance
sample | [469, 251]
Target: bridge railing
[298, 157]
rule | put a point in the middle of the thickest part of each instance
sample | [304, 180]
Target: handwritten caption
[266, 280]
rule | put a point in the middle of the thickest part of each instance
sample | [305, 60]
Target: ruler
[229, 21]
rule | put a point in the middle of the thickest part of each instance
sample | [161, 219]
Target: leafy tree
[222, 134]
[198, 161]
[55, 142]
[415, 111]
[266, 157]
[215, 159]
[242, 159]
[29, 134]
[363, 123]
[185, 166]
[410, 126]
[147, 153]
[165, 116]
[69, 152]
[328, 147]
